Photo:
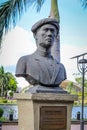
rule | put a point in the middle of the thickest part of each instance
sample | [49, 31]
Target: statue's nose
[49, 33]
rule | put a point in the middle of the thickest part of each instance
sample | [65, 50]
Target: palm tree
[54, 12]
[7, 82]
[11, 11]
[3, 80]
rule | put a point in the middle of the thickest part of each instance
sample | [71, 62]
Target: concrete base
[29, 106]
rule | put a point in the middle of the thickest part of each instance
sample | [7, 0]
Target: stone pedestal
[44, 111]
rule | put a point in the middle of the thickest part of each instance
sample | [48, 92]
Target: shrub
[3, 119]
[11, 94]
[4, 100]
[76, 103]
[1, 112]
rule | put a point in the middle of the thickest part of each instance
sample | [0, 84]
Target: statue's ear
[35, 37]
[34, 34]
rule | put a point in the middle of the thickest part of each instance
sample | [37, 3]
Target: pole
[82, 69]
[0, 125]
[82, 107]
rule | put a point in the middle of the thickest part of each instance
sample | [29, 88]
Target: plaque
[53, 118]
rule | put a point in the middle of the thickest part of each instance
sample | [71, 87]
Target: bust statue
[40, 68]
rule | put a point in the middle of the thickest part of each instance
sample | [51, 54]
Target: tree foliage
[70, 88]
[84, 3]
[79, 81]
[7, 82]
[12, 10]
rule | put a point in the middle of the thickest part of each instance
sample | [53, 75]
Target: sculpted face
[45, 35]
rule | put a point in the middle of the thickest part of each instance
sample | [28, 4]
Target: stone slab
[45, 96]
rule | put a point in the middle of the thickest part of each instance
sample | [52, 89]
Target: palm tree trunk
[2, 91]
[54, 12]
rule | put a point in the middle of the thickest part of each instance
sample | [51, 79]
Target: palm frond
[38, 4]
[12, 10]
[84, 3]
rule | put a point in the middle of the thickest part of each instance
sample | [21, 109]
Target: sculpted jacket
[37, 69]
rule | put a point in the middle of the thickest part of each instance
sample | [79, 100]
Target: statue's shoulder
[25, 58]
[61, 65]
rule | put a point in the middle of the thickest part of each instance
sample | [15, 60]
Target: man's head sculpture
[44, 25]
[40, 68]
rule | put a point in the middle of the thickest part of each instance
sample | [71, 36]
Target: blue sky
[73, 35]
[73, 19]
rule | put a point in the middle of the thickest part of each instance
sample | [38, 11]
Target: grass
[4, 100]
[80, 99]
[3, 119]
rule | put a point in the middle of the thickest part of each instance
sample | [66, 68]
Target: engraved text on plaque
[53, 118]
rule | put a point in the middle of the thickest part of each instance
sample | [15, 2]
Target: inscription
[53, 117]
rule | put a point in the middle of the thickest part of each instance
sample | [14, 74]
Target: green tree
[7, 82]
[70, 88]
[79, 81]
[3, 80]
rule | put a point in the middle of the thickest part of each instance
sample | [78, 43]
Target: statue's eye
[52, 30]
[46, 29]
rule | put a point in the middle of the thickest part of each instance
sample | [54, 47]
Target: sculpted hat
[42, 22]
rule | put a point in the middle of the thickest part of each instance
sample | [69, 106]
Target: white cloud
[22, 82]
[68, 51]
[20, 42]
[16, 43]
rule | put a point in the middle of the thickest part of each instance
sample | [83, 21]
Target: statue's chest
[41, 66]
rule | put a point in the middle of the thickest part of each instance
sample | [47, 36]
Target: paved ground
[7, 127]
[77, 127]
[15, 127]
